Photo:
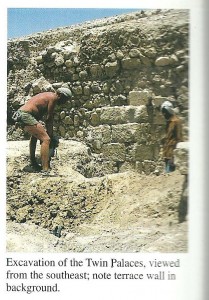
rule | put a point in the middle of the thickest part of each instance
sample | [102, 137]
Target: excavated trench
[82, 208]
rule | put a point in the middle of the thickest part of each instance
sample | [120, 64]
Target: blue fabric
[169, 166]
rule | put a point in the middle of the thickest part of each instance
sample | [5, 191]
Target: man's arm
[50, 118]
[179, 135]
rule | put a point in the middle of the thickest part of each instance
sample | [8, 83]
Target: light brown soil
[124, 212]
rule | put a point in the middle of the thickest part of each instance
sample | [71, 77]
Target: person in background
[173, 134]
[29, 116]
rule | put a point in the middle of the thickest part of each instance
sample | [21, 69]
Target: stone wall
[181, 155]
[120, 70]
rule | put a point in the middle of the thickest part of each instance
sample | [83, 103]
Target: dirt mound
[80, 209]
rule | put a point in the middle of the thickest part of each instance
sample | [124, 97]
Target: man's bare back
[40, 104]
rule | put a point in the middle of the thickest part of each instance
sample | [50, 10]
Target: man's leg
[45, 153]
[167, 170]
[169, 165]
[33, 142]
[39, 132]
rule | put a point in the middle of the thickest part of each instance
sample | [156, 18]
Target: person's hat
[168, 106]
[65, 91]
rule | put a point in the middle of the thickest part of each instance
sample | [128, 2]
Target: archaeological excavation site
[109, 191]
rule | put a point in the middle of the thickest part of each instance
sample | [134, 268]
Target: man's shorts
[24, 118]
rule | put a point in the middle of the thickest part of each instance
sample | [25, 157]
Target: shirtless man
[29, 115]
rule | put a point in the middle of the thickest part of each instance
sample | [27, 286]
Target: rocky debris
[119, 70]
[181, 154]
[29, 238]
[126, 212]
[164, 239]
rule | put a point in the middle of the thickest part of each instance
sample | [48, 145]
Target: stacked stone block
[125, 135]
